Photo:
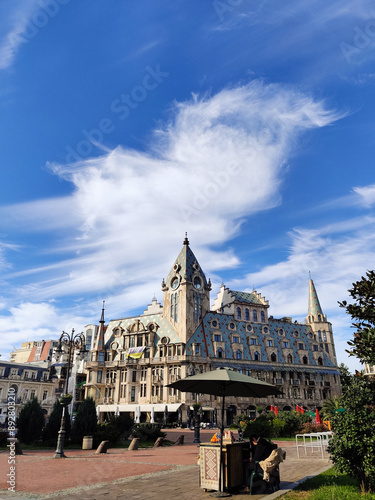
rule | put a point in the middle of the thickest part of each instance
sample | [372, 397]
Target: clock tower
[186, 294]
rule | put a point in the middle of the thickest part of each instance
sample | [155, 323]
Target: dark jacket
[262, 450]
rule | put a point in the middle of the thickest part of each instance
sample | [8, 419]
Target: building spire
[314, 308]
[186, 241]
[101, 330]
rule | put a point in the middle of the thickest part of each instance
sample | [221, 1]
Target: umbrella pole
[221, 493]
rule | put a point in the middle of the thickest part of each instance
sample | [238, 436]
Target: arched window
[172, 306]
[305, 361]
[175, 307]
[320, 361]
[256, 356]
[219, 353]
[290, 358]
[262, 317]
[247, 315]
[238, 313]
[255, 315]
[273, 357]
[319, 317]
[239, 354]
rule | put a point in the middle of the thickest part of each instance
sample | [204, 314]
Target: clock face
[174, 283]
[197, 282]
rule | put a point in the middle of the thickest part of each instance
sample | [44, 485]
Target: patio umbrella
[152, 418]
[224, 382]
[318, 420]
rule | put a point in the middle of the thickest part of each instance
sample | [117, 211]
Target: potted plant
[65, 399]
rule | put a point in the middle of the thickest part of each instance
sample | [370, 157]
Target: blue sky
[248, 124]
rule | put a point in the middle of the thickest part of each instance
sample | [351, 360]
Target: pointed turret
[314, 309]
[321, 328]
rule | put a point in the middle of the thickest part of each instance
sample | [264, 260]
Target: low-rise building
[24, 382]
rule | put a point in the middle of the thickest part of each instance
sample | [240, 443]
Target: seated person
[260, 450]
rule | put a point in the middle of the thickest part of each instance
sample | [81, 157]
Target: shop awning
[160, 407]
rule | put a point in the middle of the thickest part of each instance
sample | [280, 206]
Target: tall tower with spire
[186, 293]
[321, 328]
[100, 345]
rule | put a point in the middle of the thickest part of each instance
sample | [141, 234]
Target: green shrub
[352, 447]
[116, 429]
[261, 426]
[85, 423]
[310, 427]
[278, 427]
[50, 432]
[147, 432]
[30, 422]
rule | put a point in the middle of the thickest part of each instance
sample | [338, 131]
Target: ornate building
[134, 359]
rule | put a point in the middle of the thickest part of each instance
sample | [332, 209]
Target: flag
[135, 352]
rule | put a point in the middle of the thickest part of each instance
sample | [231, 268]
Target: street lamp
[73, 342]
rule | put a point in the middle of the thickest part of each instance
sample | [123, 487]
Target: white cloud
[366, 194]
[22, 23]
[219, 159]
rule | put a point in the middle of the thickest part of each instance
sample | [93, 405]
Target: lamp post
[73, 341]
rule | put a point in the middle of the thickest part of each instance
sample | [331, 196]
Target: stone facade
[134, 359]
[22, 382]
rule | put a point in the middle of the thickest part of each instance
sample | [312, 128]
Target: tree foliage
[50, 432]
[362, 312]
[352, 448]
[85, 423]
[30, 422]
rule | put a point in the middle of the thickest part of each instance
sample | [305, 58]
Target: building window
[326, 347]
[101, 356]
[305, 361]
[262, 317]
[132, 394]
[197, 349]
[236, 340]
[197, 307]
[273, 357]
[315, 347]
[143, 391]
[253, 341]
[301, 346]
[255, 316]
[134, 376]
[320, 335]
[290, 359]
[219, 353]
[99, 377]
[247, 314]
[238, 313]
[239, 354]
[256, 356]
[249, 328]
[45, 394]
[285, 345]
[214, 323]
[217, 338]
[281, 331]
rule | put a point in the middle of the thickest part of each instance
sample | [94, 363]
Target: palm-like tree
[329, 406]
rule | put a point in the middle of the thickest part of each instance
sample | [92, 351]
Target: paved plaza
[149, 474]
